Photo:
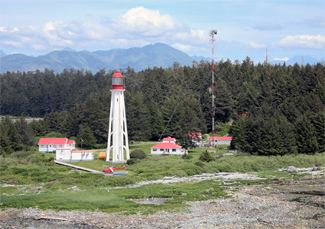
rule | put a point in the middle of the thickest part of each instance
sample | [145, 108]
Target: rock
[291, 169]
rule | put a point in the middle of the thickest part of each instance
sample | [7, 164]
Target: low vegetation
[112, 200]
[31, 179]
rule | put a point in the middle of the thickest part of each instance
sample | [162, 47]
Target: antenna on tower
[213, 33]
[266, 56]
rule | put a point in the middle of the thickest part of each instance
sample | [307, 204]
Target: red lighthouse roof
[117, 74]
[117, 81]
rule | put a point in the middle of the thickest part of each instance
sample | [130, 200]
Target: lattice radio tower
[213, 34]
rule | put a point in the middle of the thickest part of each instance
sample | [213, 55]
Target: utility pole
[213, 33]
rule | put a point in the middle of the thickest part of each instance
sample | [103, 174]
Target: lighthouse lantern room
[117, 142]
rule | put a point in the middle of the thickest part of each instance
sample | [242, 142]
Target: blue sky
[245, 28]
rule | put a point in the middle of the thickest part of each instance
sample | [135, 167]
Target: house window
[161, 149]
[154, 149]
[174, 150]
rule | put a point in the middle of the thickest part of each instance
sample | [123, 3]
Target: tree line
[274, 109]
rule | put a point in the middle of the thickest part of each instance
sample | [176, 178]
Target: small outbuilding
[74, 155]
[195, 137]
[168, 147]
[219, 140]
[51, 144]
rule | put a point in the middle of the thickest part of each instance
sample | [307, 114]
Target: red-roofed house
[219, 140]
[167, 147]
[51, 144]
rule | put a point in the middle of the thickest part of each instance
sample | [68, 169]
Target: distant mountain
[298, 60]
[2, 53]
[302, 60]
[156, 55]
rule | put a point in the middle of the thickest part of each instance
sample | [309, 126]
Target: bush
[187, 156]
[137, 154]
[199, 164]
[131, 161]
[206, 156]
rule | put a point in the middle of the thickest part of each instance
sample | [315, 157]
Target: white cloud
[58, 33]
[285, 59]
[304, 41]
[256, 45]
[136, 27]
[143, 19]
[182, 47]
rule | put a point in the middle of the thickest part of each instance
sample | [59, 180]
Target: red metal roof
[71, 142]
[220, 138]
[167, 145]
[55, 141]
[169, 139]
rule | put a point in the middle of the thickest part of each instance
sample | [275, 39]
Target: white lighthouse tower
[117, 142]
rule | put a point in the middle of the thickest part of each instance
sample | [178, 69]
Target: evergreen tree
[305, 136]
[138, 118]
[86, 137]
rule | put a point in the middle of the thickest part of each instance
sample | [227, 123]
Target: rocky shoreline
[290, 204]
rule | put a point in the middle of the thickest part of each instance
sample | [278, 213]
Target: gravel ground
[293, 204]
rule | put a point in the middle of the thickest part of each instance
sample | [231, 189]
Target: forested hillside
[274, 109]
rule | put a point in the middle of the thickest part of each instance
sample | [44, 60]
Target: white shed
[74, 155]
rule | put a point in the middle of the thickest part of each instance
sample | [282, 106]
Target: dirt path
[290, 204]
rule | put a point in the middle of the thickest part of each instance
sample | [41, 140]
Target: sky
[286, 28]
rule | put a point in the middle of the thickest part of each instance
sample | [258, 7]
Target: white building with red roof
[220, 140]
[168, 146]
[51, 144]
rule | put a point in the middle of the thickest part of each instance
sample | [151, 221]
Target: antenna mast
[213, 33]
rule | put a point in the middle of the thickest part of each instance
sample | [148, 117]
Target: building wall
[82, 156]
[220, 142]
[69, 155]
[179, 151]
[52, 148]
[63, 154]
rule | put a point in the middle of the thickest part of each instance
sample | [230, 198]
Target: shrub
[206, 156]
[187, 156]
[137, 154]
[199, 164]
[22, 154]
[131, 161]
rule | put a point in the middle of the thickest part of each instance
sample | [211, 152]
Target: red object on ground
[112, 169]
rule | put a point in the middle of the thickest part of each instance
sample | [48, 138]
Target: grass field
[31, 179]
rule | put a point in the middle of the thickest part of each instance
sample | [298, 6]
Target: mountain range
[154, 55]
